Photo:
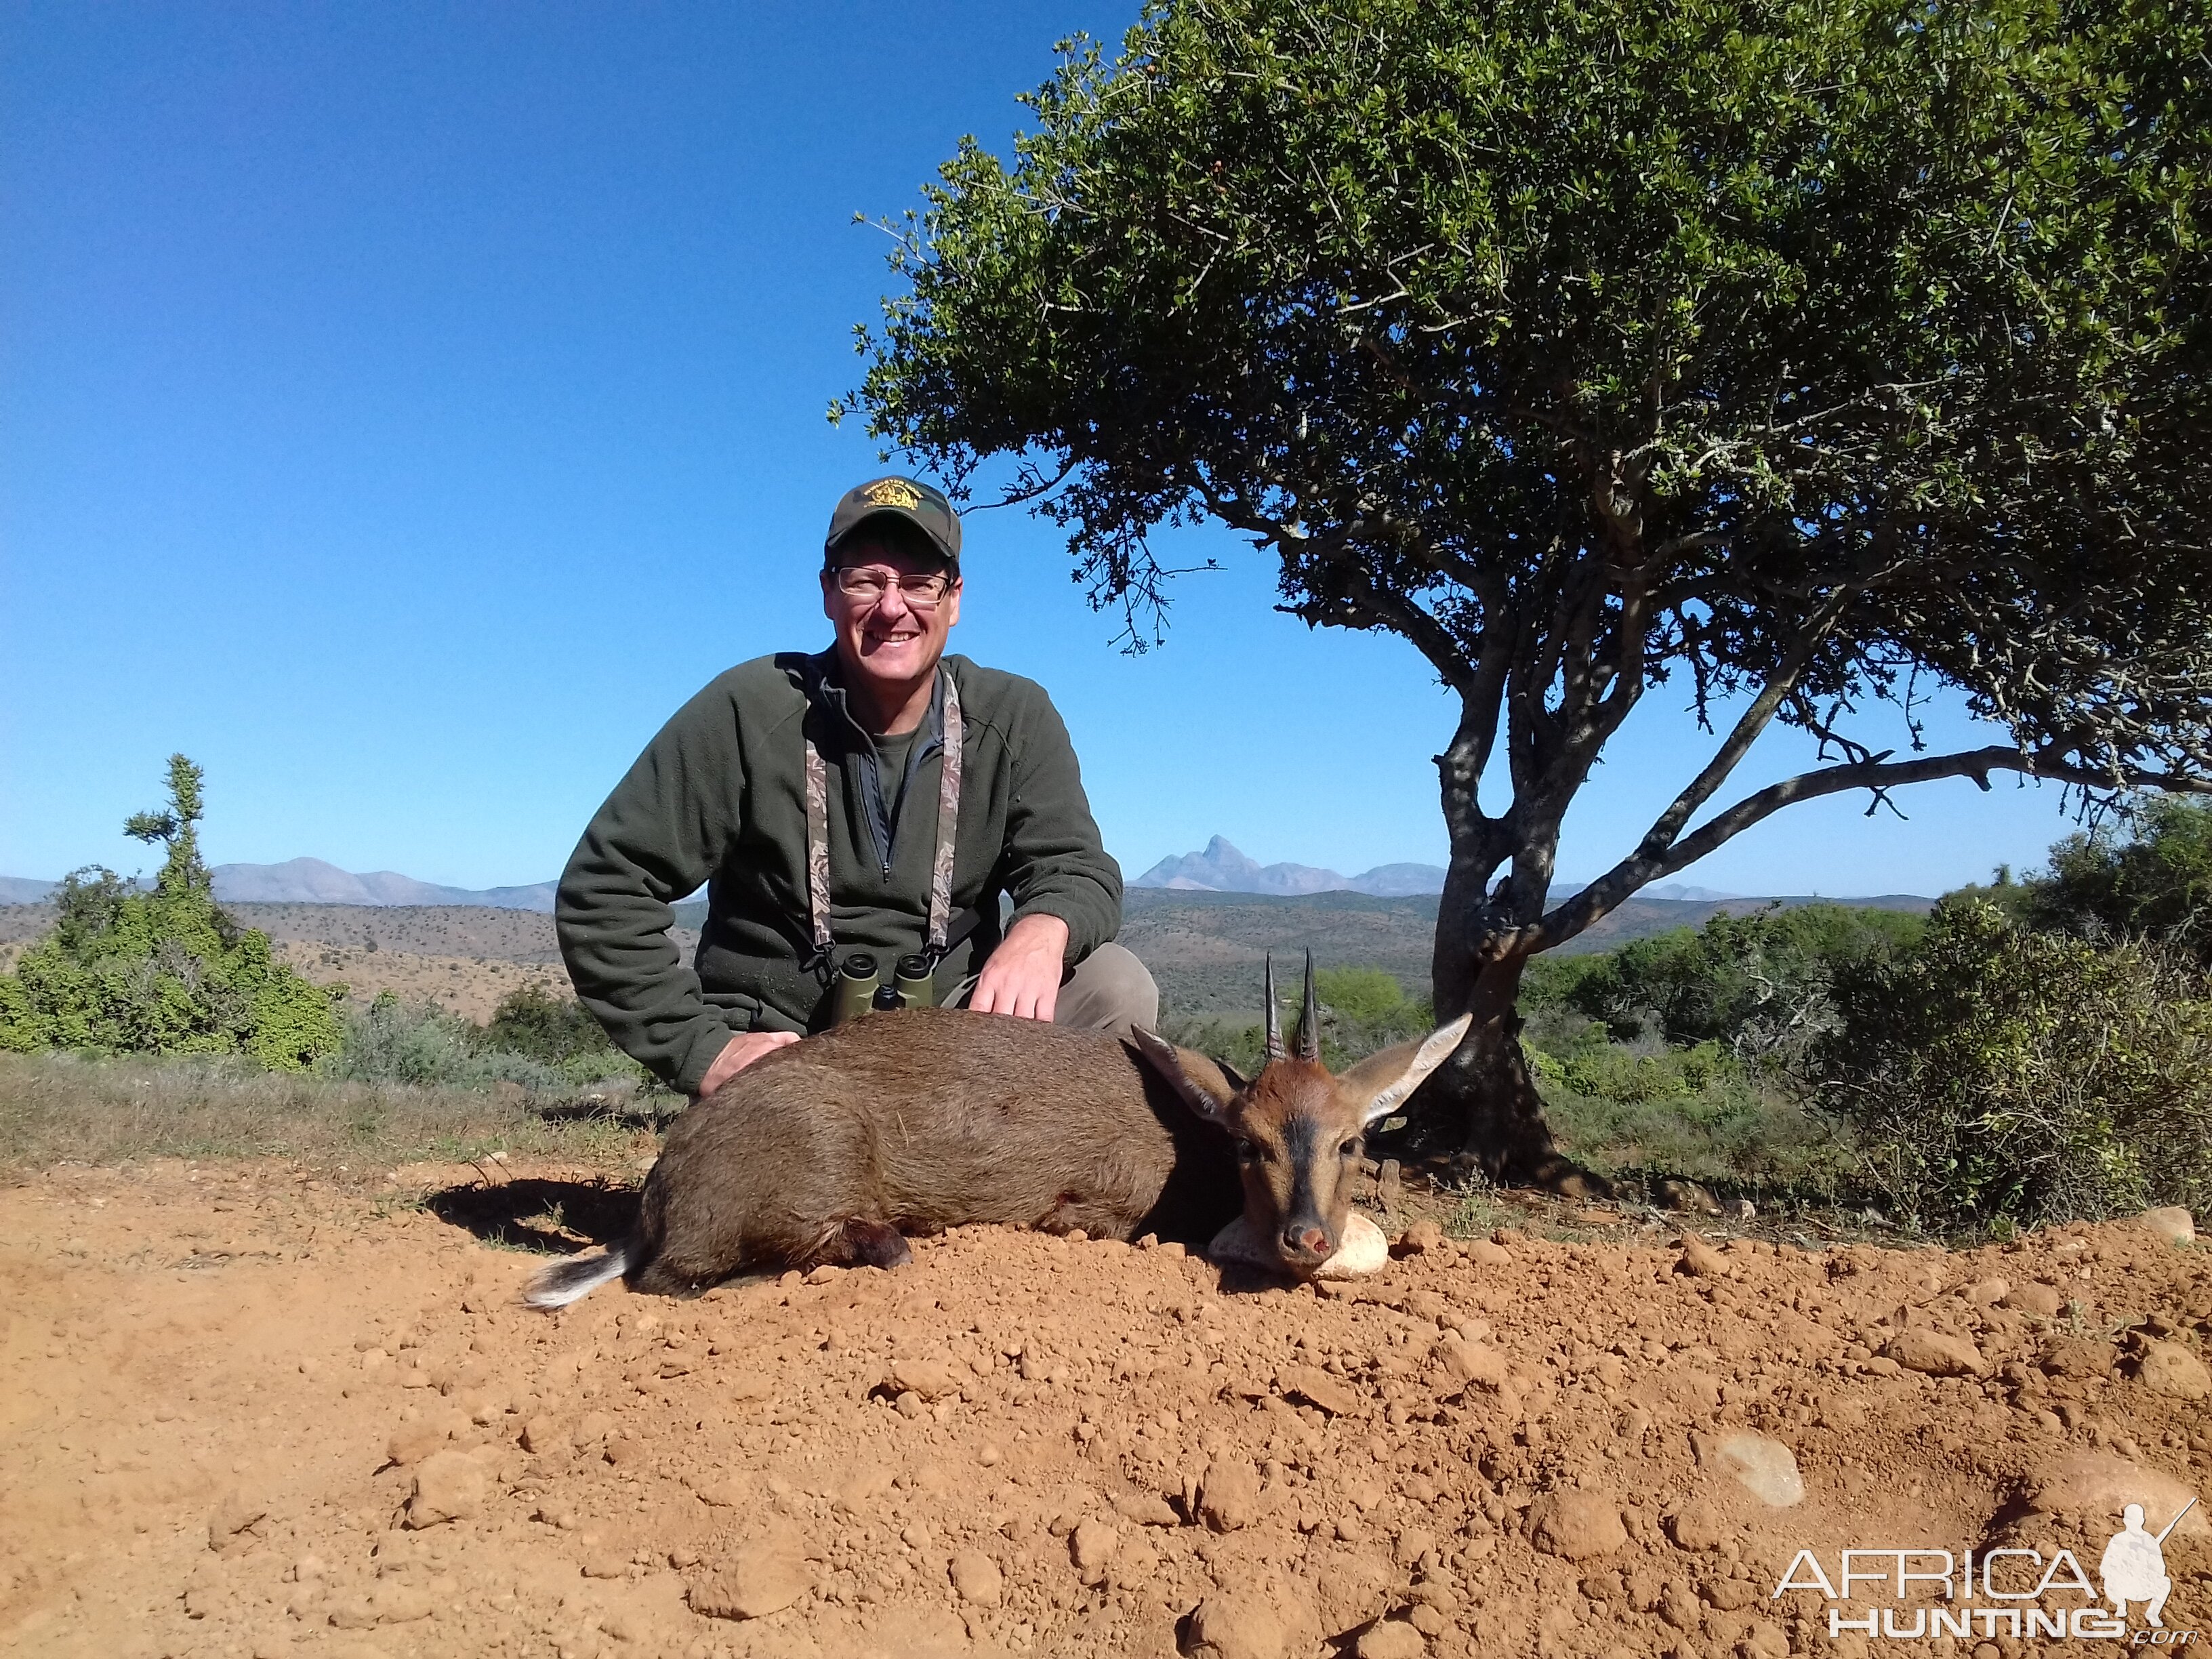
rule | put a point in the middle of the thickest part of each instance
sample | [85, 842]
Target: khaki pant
[1108, 990]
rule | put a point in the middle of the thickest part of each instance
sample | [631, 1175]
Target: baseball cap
[909, 499]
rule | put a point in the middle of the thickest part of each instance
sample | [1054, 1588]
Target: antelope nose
[1305, 1241]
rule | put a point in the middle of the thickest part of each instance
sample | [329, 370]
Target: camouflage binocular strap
[948, 820]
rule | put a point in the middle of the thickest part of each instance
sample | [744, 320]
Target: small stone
[605, 1564]
[1700, 1260]
[1237, 1624]
[230, 1517]
[1352, 1586]
[977, 1579]
[1311, 1383]
[398, 1604]
[1469, 1363]
[448, 1486]
[1698, 1526]
[2169, 1369]
[1987, 1292]
[411, 1443]
[1765, 1468]
[540, 1434]
[1228, 1495]
[1393, 1638]
[1934, 1354]
[2171, 1223]
[1422, 1237]
[932, 1379]
[1575, 1525]
[1146, 1508]
[1487, 1253]
[2043, 1301]
[751, 1585]
[1427, 1620]
[1091, 1545]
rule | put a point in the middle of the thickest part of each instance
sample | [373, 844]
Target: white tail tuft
[566, 1281]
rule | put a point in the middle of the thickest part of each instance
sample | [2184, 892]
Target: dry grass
[58, 1109]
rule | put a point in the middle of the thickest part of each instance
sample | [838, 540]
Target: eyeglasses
[921, 592]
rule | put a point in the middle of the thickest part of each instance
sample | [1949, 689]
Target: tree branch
[1640, 868]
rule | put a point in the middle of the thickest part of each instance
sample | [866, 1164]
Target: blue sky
[404, 409]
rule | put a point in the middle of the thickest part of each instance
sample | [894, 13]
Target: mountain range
[311, 881]
[1220, 868]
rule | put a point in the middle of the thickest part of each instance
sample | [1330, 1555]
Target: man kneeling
[878, 797]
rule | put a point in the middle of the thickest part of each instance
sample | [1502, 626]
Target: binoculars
[862, 989]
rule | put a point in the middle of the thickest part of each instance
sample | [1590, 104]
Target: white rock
[1765, 1468]
[1363, 1250]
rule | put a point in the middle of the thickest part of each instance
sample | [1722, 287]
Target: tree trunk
[1481, 1105]
[1488, 1093]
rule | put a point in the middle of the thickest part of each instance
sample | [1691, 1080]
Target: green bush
[1997, 1072]
[1759, 984]
[532, 1022]
[2147, 876]
[420, 1044]
[161, 972]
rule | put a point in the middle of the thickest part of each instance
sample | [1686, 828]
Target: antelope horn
[1310, 1021]
[1274, 1014]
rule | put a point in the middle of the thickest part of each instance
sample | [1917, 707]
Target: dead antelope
[836, 1148]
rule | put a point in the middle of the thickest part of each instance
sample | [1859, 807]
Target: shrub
[1997, 1072]
[533, 1022]
[420, 1044]
[2149, 874]
[1760, 983]
[162, 972]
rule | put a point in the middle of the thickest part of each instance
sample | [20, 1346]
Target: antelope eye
[1350, 1149]
[1246, 1152]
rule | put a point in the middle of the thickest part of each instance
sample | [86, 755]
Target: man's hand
[1022, 977]
[739, 1052]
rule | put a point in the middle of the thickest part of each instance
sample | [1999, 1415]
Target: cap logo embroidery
[891, 492]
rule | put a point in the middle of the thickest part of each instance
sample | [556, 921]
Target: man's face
[888, 642]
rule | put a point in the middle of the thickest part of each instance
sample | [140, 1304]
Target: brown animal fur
[836, 1148]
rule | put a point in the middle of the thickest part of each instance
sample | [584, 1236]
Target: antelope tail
[566, 1281]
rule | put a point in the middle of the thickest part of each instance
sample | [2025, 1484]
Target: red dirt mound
[248, 1415]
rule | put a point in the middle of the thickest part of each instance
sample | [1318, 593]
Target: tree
[2147, 874]
[1817, 352]
[165, 972]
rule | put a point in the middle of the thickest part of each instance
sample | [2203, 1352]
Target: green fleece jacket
[719, 796]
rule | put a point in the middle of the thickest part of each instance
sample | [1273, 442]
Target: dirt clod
[2169, 1369]
[1577, 1525]
[449, 1485]
[1229, 1495]
[1935, 1355]
[752, 1583]
[976, 1576]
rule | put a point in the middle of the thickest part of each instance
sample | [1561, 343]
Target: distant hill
[1221, 869]
[311, 881]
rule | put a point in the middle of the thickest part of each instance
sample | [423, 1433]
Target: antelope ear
[1207, 1087]
[1378, 1084]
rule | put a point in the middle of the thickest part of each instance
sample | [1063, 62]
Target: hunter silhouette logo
[2001, 1592]
[2134, 1567]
